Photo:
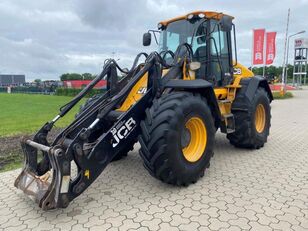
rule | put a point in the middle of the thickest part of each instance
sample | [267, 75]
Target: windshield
[180, 32]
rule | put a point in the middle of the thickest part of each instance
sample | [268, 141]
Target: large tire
[127, 148]
[248, 133]
[162, 142]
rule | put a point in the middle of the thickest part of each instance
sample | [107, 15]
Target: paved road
[243, 190]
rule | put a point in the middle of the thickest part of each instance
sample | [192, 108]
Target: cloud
[44, 39]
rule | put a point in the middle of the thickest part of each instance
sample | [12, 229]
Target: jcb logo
[123, 131]
[237, 71]
[142, 90]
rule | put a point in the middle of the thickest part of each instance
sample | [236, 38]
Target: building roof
[6, 79]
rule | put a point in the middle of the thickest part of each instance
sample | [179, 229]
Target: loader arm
[69, 145]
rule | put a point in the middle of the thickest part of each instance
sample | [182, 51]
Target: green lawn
[287, 95]
[23, 113]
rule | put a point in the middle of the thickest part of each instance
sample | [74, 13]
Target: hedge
[73, 92]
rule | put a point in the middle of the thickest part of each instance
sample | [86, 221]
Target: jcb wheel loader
[172, 103]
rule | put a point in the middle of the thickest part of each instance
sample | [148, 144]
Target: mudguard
[202, 87]
[250, 86]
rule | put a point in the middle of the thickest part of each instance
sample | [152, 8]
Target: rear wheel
[177, 138]
[252, 121]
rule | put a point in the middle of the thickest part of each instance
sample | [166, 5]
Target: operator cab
[209, 35]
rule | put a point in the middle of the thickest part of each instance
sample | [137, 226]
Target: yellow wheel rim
[260, 118]
[195, 148]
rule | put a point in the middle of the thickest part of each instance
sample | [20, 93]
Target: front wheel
[177, 138]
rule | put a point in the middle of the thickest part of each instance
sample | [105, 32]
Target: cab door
[220, 55]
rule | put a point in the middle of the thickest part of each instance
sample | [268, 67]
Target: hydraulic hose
[109, 62]
[67, 107]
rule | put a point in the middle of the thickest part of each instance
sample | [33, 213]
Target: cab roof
[208, 14]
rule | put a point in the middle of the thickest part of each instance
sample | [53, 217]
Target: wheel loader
[172, 101]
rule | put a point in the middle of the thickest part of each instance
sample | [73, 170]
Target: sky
[46, 38]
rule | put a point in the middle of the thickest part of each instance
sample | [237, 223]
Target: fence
[74, 91]
[46, 91]
[29, 90]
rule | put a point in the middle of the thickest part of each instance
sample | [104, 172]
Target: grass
[12, 166]
[25, 114]
[11, 162]
[276, 95]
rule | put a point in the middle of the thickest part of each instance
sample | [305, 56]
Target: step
[223, 101]
[229, 122]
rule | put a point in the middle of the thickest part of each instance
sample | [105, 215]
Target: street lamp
[287, 61]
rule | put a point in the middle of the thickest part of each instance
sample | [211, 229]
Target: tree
[270, 70]
[87, 76]
[71, 76]
[64, 77]
[38, 82]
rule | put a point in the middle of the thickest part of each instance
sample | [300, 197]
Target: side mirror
[147, 37]
[226, 23]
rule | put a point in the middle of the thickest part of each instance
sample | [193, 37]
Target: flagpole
[264, 54]
[252, 48]
[283, 87]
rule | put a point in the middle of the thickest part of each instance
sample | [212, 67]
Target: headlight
[201, 15]
[190, 16]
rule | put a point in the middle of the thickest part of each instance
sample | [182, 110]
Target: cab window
[219, 54]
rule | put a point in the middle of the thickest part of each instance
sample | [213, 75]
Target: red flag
[258, 46]
[270, 47]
